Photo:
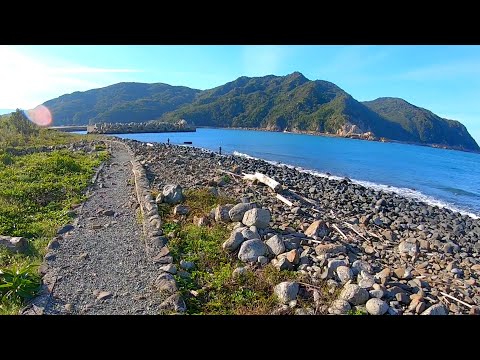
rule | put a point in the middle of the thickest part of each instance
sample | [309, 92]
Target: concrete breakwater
[141, 127]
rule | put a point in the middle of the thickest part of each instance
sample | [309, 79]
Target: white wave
[246, 156]
[405, 192]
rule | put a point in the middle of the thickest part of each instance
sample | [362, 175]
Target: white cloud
[27, 81]
[260, 60]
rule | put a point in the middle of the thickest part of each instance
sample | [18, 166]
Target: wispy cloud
[28, 81]
[261, 60]
[91, 70]
[444, 71]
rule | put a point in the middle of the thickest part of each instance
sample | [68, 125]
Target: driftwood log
[264, 179]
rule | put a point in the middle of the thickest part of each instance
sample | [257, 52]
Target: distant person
[220, 150]
[168, 141]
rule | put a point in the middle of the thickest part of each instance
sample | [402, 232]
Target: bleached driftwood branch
[264, 179]
[284, 200]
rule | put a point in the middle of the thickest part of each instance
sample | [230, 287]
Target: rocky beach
[376, 252]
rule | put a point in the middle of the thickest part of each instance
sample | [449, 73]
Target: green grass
[18, 283]
[36, 193]
[210, 288]
[357, 312]
[201, 201]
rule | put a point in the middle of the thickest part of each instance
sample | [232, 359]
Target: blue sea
[446, 178]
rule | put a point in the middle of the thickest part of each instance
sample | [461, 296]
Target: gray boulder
[250, 250]
[186, 265]
[437, 309]
[15, 244]
[257, 217]
[172, 194]
[344, 274]
[237, 212]
[286, 291]
[359, 265]
[318, 229]
[221, 213]
[376, 306]
[329, 249]
[174, 303]
[181, 210]
[354, 294]
[365, 280]
[339, 307]
[249, 234]
[408, 247]
[234, 241]
[275, 245]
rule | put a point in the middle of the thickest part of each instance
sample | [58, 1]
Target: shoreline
[414, 248]
[413, 194]
[432, 201]
[275, 170]
[313, 133]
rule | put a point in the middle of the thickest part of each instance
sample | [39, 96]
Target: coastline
[406, 191]
[313, 133]
[276, 169]
[411, 239]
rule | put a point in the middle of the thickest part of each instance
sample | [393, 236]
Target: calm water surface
[440, 177]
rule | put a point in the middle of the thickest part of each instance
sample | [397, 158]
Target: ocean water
[446, 178]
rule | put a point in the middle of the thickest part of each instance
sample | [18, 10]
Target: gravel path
[102, 263]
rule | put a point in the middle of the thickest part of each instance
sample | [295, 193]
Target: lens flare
[40, 115]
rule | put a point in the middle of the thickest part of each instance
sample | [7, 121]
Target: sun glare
[40, 115]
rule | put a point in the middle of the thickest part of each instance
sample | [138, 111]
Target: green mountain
[292, 103]
[423, 125]
[122, 102]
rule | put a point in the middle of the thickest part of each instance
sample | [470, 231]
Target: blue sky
[443, 79]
